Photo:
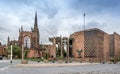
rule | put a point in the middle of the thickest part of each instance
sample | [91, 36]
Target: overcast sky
[57, 17]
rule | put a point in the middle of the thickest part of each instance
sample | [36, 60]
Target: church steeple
[36, 31]
[35, 21]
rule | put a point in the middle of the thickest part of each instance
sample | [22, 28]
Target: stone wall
[111, 44]
[2, 51]
[116, 46]
[95, 44]
[106, 47]
[32, 53]
[78, 43]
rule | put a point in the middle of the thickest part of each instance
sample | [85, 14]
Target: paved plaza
[4, 64]
[58, 68]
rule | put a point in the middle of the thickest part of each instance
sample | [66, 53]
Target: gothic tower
[30, 39]
[36, 32]
[8, 40]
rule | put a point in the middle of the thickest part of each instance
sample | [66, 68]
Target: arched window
[27, 42]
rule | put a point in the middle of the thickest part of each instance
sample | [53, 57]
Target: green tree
[16, 50]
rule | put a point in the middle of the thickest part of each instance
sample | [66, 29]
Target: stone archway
[27, 42]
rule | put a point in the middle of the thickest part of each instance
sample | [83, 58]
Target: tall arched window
[27, 42]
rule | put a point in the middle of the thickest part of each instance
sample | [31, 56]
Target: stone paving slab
[62, 68]
[4, 64]
[83, 69]
[53, 64]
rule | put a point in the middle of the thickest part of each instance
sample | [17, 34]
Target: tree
[16, 51]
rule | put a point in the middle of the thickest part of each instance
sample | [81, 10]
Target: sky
[57, 17]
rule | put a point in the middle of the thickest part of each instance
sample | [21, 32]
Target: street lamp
[11, 55]
[23, 61]
[84, 20]
[84, 34]
[22, 52]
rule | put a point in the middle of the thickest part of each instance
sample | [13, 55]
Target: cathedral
[28, 39]
[88, 45]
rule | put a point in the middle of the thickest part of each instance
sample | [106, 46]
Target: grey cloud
[50, 28]
[76, 27]
[47, 31]
[94, 3]
[94, 6]
[24, 9]
[46, 7]
[3, 29]
[95, 25]
[88, 26]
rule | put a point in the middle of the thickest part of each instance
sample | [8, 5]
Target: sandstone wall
[106, 46]
[116, 46]
[78, 44]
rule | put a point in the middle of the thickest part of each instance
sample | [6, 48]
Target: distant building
[60, 44]
[2, 50]
[12, 42]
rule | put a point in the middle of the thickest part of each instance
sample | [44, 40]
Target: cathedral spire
[35, 22]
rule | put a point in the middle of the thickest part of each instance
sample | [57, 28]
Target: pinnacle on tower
[32, 29]
[35, 22]
[21, 28]
[8, 38]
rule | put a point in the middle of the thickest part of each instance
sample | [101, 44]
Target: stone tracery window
[27, 42]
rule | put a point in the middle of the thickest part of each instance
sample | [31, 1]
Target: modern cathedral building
[96, 45]
[88, 45]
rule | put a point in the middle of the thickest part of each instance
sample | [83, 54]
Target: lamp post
[84, 20]
[68, 47]
[61, 46]
[84, 36]
[11, 55]
[22, 52]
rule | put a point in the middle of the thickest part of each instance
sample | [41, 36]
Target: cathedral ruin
[88, 45]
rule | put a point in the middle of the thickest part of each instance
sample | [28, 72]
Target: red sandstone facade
[2, 50]
[115, 46]
[29, 40]
[77, 44]
[94, 44]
